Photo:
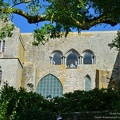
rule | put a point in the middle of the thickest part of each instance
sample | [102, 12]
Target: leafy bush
[22, 105]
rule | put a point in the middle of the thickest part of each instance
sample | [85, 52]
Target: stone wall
[24, 64]
[11, 72]
[71, 79]
[12, 59]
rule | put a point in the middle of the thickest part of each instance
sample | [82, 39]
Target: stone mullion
[62, 62]
[81, 59]
[51, 60]
[92, 59]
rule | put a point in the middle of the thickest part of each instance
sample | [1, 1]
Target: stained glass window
[50, 86]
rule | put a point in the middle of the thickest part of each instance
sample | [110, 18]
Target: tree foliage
[63, 15]
[116, 42]
[19, 104]
[22, 105]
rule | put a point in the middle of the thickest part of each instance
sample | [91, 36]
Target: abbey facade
[78, 62]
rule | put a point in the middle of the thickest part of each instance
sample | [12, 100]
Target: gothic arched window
[50, 86]
[87, 83]
[88, 57]
[72, 58]
[57, 59]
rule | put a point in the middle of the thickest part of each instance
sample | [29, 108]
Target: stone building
[78, 62]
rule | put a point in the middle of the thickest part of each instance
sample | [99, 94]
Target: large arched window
[87, 83]
[50, 86]
[88, 57]
[72, 59]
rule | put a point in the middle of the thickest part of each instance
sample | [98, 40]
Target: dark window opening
[57, 59]
[3, 46]
[87, 58]
[87, 83]
[0, 76]
[72, 60]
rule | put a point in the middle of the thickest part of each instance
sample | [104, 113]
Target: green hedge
[22, 105]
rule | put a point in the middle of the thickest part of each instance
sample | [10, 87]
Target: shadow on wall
[114, 79]
[109, 78]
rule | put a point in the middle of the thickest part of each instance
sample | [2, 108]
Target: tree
[63, 15]
[22, 105]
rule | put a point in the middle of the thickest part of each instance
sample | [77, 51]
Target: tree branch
[88, 23]
[101, 19]
[31, 19]
[84, 25]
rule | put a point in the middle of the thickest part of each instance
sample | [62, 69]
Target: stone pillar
[65, 61]
[51, 60]
[81, 59]
[62, 58]
[94, 60]
[92, 57]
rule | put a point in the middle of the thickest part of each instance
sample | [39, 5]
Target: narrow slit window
[0, 76]
[0, 47]
[87, 83]
[3, 46]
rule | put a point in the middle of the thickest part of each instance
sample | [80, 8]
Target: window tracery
[50, 86]
[72, 59]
